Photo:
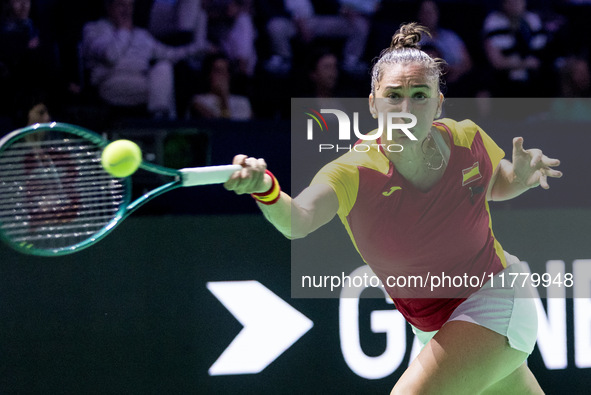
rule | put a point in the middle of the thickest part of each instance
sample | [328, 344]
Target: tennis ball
[121, 158]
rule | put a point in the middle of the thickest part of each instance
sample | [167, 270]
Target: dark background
[132, 314]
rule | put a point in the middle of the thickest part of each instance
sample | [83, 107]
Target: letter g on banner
[390, 322]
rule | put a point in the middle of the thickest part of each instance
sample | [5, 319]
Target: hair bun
[408, 36]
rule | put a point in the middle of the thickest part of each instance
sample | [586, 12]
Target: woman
[128, 66]
[219, 101]
[514, 45]
[437, 190]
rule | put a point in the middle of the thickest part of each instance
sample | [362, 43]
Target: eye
[420, 96]
[393, 96]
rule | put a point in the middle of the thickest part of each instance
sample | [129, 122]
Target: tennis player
[404, 211]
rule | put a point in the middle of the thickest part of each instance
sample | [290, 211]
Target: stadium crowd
[98, 60]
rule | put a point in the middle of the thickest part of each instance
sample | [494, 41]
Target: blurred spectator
[324, 75]
[448, 44]
[31, 109]
[323, 83]
[128, 66]
[575, 78]
[24, 63]
[219, 102]
[298, 19]
[575, 90]
[177, 22]
[359, 14]
[514, 41]
[232, 30]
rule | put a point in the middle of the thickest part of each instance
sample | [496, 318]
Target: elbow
[294, 235]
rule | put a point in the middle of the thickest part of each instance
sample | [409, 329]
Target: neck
[422, 154]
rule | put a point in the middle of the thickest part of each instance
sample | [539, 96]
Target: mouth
[399, 134]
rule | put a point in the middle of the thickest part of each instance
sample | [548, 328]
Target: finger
[242, 183]
[544, 181]
[251, 162]
[536, 158]
[246, 173]
[550, 161]
[239, 159]
[518, 144]
[233, 183]
[251, 176]
[258, 176]
[255, 174]
[552, 173]
[262, 164]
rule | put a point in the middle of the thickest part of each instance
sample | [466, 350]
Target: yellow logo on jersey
[391, 191]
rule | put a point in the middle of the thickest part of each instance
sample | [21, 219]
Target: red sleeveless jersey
[401, 231]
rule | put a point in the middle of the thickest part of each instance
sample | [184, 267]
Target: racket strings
[32, 215]
[17, 174]
[54, 192]
[54, 195]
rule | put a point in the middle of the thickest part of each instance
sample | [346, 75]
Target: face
[38, 114]
[121, 12]
[407, 88]
[20, 8]
[514, 8]
[326, 72]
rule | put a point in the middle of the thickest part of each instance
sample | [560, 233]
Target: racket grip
[207, 175]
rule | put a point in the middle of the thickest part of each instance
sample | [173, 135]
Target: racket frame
[181, 178]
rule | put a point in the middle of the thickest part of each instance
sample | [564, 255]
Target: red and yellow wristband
[272, 195]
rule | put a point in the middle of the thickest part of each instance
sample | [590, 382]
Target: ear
[372, 106]
[439, 106]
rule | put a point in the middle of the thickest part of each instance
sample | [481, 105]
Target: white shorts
[509, 311]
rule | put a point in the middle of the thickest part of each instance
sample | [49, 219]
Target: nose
[406, 105]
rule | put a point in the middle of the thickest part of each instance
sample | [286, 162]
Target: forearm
[288, 217]
[315, 206]
[279, 214]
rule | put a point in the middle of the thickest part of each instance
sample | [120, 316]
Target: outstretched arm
[528, 169]
[294, 218]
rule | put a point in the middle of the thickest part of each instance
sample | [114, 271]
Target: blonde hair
[405, 49]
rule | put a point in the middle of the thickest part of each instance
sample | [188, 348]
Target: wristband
[272, 195]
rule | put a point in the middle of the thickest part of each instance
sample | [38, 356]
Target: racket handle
[207, 175]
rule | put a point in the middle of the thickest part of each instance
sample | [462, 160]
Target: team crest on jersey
[471, 174]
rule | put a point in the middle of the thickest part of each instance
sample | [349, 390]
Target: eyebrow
[418, 86]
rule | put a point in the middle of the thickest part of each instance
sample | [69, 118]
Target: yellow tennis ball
[121, 158]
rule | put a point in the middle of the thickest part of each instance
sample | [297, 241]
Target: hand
[251, 178]
[531, 167]
[33, 43]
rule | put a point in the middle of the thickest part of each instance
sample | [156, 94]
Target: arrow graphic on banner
[271, 326]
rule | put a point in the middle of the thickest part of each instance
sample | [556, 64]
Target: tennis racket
[55, 196]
